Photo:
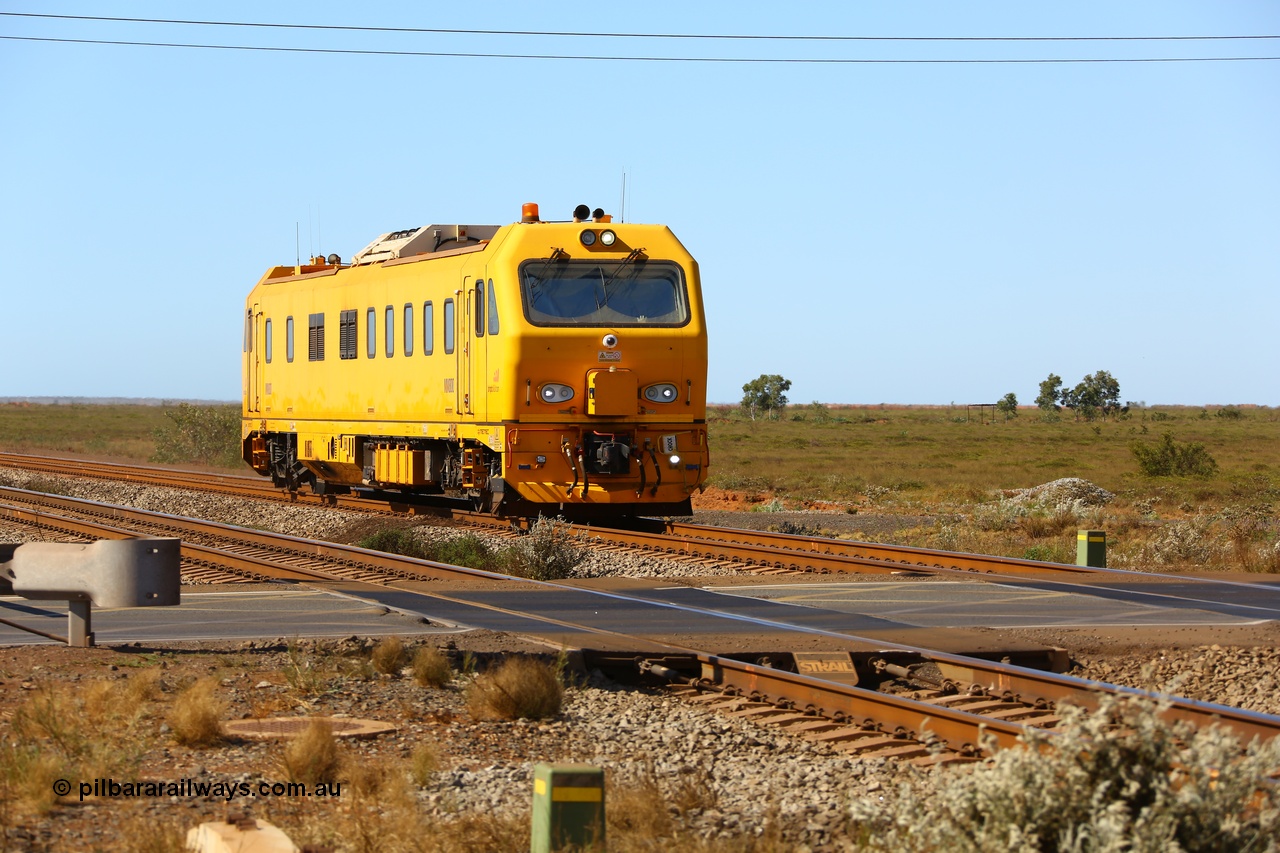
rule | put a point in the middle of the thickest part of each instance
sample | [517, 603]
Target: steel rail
[750, 547]
[1004, 680]
[910, 720]
[746, 548]
[924, 559]
[254, 488]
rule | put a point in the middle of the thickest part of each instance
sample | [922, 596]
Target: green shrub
[791, 528]
[208, 435]
[398, 540]
[1170, 459]
[466, 550]
[551, 550]
[1120, 778]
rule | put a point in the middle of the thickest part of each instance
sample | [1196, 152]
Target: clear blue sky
[901, 233]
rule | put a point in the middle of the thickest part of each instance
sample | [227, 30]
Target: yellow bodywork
[407, 413]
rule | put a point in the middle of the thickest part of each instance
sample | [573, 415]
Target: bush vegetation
[431, 668]
[1170, 459]
[520, 688]
[196, 716]
[1121, 778]
[206, 435]
[951, 479]
[550, 550]
[313, 756]
[388, 656]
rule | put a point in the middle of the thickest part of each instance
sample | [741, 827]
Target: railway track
[751, 551]
[872, 699]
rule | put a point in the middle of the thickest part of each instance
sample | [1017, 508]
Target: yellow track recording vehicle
[537, 367]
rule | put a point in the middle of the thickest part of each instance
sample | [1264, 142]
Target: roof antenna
[622, 203]
[297, 242]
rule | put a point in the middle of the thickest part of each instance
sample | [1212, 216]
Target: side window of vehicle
[390, 323]
[248, 331]
[478, 306]
[347, 321]
[493, 311]
[371, 331]
[428, 328]
[448, 325]
[288, 339]
[315, 337]
[408, 330]
[266, 344]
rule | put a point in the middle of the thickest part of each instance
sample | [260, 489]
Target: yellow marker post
[568, 807]
[1091, 548]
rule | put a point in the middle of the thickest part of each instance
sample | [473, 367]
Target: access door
[254, 346]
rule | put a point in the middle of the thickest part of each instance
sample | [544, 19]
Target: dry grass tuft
[1044, 526]
[521, 688]
[423, 764]
[303, 673]
[637, 807]
[196, 716]
[431, 668]
[27, 775]
[142, 686]
[53, 735]
[483, 834]
[388, 655]
[145, 834]
[312, 757]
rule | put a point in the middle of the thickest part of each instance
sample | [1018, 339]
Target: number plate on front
[668, 444]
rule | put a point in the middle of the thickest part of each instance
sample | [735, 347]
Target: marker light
[675, 460]
[554, 392]
[607, 238]
[529, 212]
[588, 238]
[664, 393]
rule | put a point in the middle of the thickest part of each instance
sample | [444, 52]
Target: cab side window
[493, 311]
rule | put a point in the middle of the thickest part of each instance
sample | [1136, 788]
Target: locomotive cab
[538, 367]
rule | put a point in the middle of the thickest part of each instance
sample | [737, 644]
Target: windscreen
[610, 293]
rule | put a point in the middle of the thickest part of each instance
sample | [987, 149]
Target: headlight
[588, 238]
[664, 393]
[607, 238]
[553, 392]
